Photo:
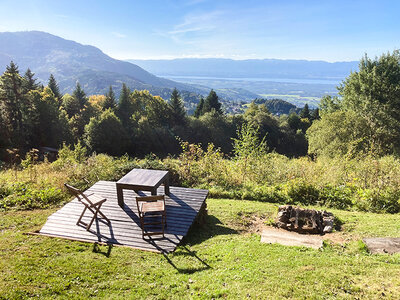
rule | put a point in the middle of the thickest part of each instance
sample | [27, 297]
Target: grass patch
[219, 259]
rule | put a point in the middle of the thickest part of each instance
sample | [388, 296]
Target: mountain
[250, 68]
[70, 62]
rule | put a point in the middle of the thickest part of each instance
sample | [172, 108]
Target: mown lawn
[222, 258]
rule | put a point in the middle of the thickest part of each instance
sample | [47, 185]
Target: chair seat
[94, 198]
[147, 207]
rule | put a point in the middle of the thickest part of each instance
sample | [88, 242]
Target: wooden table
[142, 180]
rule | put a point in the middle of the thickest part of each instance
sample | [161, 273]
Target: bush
[299, 191]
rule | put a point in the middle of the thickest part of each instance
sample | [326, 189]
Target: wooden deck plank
[182, 206]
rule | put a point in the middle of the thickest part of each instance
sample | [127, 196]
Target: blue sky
[315, 30]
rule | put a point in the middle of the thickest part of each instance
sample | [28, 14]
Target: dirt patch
[248, 224]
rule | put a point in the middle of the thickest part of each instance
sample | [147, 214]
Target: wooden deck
[182, 205]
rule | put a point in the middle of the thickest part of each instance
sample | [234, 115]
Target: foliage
[341, 133]
[177, 109]
[105, 134]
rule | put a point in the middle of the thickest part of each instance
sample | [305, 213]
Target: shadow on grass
[211, 227]
[96, 249]
[187, 253]
[198, 233]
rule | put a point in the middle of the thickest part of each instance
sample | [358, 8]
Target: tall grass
[367, 184]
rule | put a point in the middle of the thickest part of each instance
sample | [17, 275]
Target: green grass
[221, 258]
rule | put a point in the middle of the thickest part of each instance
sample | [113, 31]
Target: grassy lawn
[222, 258]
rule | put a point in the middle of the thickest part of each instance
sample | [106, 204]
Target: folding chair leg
[97, 209]
[80, 218]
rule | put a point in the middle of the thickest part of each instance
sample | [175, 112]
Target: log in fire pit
[304, 220]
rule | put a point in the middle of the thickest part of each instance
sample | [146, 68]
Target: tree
[212, 102]
[373, 93]
[70, 104]
[199, 108]
[315, 115]
[177, 109]
[125, 108]
[80, 95]
[109, 102]
[53, 85]
[106, 134]
[341, 133]
[14, 105]
[305, 112]
[30, 81]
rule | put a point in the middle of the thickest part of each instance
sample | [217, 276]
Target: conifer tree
[13, 104]
[30, 81]
[315, 114]
[305, 112]
[125, 107]
[80, 95]
[178, 110]
[199, 108]
[211, 103]
[53, 85]
[109, 102]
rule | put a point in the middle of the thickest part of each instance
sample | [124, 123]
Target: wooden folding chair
[91, 202]
[152, 212]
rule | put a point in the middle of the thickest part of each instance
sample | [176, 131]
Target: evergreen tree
[109, 102]
[125, 107]
[199, 108]
[13, 104]
[53, 85]
[305, 112]
[178, 110]
[211, 103]
[80, 95]
[30, 81]
[315, 115]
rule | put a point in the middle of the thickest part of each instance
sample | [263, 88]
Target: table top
[144, 177]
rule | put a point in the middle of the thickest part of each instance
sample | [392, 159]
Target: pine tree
[211, 103]
[178, 110]
[315, 114]
[53, 85]
[109, 102]
[125, 107]
[13, 104]
[30, 81]
[305, 112]
[199, 108]
[80, 95]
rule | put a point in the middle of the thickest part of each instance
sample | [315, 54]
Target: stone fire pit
[304, 220]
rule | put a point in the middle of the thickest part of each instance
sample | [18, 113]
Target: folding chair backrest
[149, 199]
[78, 194]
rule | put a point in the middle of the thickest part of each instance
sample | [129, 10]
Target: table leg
[120, 196]
[166, 185]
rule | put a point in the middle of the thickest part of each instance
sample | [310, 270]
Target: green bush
[27, 196]
[337, 197]
[299, 191]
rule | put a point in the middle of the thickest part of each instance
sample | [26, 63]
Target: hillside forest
[344, 154]
[137, 123]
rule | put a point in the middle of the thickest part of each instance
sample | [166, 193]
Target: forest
[138, 123]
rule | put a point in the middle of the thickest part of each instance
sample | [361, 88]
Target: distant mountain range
[70, 62]
[251, 68]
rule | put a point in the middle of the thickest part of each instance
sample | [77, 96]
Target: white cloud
[118, 34]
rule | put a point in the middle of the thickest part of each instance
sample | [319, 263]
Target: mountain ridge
[68, 60]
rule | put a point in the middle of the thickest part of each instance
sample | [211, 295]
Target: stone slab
[382, 245]
[288, 238]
